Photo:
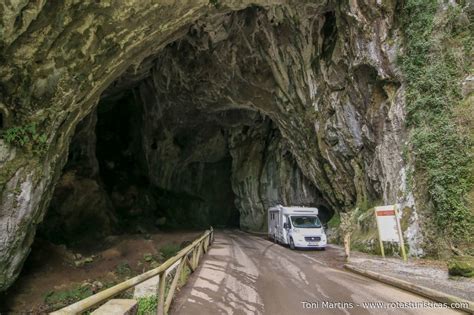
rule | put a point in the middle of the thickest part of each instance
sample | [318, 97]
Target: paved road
[245, 274]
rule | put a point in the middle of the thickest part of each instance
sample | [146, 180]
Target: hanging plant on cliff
[27, 137]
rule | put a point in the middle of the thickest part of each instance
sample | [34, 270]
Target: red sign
[385, 213]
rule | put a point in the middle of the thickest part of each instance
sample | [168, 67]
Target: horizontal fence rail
[189, 255]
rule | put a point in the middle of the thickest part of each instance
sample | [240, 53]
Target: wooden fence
[189, 255]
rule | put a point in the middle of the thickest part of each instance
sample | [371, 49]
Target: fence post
[161, 294]
[174, 284]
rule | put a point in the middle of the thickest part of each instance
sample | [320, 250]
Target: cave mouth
[122, 178]
[139, 168]
[185, 139]
[177, 172]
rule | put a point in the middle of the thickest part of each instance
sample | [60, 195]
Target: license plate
[313, 243]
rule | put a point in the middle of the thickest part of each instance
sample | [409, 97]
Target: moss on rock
[461, 266]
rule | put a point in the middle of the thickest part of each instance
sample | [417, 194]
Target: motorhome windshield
[305, 222]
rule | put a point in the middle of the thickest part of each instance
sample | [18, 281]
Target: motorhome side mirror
[286, 225]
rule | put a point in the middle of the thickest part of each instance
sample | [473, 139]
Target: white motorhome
[296, 227]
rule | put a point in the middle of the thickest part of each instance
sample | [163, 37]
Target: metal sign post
[389, 228]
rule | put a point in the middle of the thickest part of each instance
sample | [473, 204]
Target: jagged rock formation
[302, 100]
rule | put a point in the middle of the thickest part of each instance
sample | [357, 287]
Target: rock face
[264, 174]
[298, 101]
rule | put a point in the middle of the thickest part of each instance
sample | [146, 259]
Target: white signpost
[388, 225]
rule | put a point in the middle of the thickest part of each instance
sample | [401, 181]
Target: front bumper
[304, 244]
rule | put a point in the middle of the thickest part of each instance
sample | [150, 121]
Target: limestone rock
[323, 72]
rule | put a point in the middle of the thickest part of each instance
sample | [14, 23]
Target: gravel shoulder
[423, 272]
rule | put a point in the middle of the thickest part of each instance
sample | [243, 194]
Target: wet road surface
[246, 274]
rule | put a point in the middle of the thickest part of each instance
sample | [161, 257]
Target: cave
[138, 163]
[179, 143]
[186, 115]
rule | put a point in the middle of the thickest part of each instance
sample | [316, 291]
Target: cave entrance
[130, 170]
[137, 164]
[173, 167]
[183, 139]
[325, 213]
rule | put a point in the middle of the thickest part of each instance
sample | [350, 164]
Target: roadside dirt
[54, 274]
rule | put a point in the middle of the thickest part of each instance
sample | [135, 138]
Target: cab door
[279, 228]
[273, 223]
[286, 232]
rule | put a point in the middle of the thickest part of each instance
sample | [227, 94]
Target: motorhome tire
[292, 244]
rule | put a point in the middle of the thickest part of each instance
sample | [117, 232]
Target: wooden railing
[189, 255]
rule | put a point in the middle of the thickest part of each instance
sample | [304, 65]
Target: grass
[435, 59]
[123, 269]
[185, 273]
[59, 299]
[147, 305]
[169, 250]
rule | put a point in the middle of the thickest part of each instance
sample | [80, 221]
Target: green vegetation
[27, 137]
[437, 49]
[461, 266]
[59, 299]
[123, 269]
[169, 250]
[148, 257]
[147, 305]
[335, 220]
[215, 3]
[185, 273]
